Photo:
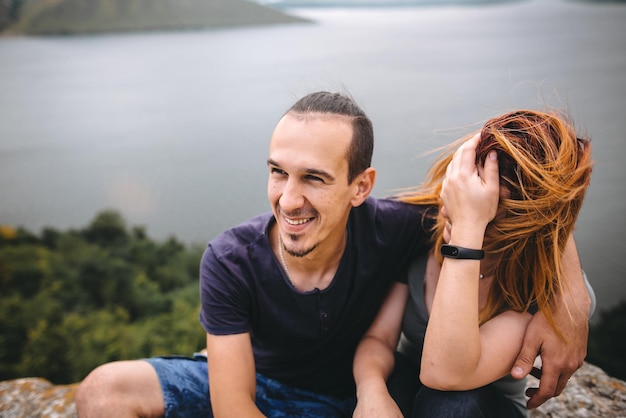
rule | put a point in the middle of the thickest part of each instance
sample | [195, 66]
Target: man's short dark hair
[361, 148]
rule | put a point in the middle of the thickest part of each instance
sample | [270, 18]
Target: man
[287, 296]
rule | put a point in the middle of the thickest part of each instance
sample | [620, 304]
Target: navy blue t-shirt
[307, 339]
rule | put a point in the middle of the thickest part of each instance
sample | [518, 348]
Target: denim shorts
[185, 386]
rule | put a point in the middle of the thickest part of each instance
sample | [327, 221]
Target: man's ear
[363, 185]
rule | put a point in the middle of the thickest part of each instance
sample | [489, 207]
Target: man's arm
[560, 358]
[232, 377]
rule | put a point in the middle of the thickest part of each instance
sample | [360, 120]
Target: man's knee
[100, 385]
[92, 390]
[121, 389]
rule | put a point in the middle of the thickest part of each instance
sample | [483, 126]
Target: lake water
[172, 128]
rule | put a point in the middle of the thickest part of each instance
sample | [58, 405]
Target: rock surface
[590, 393]
[36, 398]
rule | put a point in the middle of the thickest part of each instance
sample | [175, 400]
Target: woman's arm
[461, 366]
[374, 358]
[458, 354]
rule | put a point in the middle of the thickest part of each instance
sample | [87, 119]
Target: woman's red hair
[547, 169]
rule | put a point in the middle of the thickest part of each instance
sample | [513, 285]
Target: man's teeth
[297, 222]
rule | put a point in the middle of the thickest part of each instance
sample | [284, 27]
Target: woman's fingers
[469, 191]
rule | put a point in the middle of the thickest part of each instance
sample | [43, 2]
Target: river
[172, 128]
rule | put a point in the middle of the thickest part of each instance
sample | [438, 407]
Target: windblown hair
[547, 170]
[361, 148]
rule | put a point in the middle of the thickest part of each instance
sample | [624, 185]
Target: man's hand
[560, 359]
[376, 405]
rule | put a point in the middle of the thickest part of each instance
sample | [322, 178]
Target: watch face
[449, 251]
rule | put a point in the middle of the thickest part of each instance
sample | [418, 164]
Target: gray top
[414, 328]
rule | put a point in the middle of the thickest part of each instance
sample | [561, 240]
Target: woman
[511, 193]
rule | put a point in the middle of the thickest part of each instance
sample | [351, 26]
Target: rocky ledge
[34, 397]
[590, 393]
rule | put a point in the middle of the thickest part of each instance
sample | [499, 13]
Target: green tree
[108, 229]
[96, 338]
[12, 335]
[72, 300]
[23, 268]
[175, 332]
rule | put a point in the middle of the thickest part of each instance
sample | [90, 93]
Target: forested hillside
[72, 300]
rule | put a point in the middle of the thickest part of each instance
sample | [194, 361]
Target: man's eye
[275, 170]
[314, 178]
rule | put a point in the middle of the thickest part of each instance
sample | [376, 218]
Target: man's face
[308, 180]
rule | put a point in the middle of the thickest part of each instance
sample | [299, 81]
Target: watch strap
[461, 253]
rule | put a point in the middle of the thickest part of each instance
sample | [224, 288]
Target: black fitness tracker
[453, 251]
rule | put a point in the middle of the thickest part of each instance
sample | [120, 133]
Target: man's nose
[292, 197]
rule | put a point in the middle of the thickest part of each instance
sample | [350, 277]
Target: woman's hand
[469, 193]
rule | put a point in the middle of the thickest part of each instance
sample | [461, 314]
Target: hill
[283, 4]
[55, 17]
